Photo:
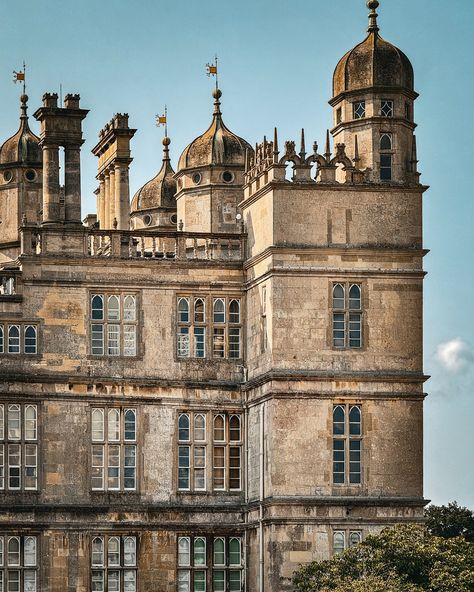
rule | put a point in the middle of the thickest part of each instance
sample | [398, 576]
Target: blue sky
[277, 59]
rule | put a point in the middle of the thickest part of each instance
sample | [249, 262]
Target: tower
[20, 183]
[210, 177]
[373, 103]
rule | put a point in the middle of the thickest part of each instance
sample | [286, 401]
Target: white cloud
[454, 355]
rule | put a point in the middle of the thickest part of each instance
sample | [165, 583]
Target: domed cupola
[154, 204]
[23, 148]
[216, 146]
[374, 63]
[210, 177]
[373, 102]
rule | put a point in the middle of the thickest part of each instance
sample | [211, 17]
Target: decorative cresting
[24, 146]
[216, 146]
[374, 63]
[159, 192]
[268, 164]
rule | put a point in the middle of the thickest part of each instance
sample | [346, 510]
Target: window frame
[347, 322]
[355, 108]
[389, 106]
[348, 441]
[347, 534]
[23, 568]
[103, 447]
[105, 568]
[386, 157]
[105, 330]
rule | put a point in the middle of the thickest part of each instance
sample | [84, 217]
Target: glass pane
[30, 422]
[339, 462]
[129, 581]
[354, 297]
[183, 342]
[98, 552]
[30, 340]
[235, 581]
[199, 427]
[97, 425]
[184, 544]
[130, 467]
[234, 311]
[199, 342]
[234, 552]
[97, 340]
[199, 310]
[385, 142]
[219, 311]
[14, 339]
[234, 467]
[113, 469]
[183, 467]
[234, 343]
[113, 425]
[129, 308]
[30, 552]
[199, 581]
[97, 469]
[219, 467]
[219, 428]
[97, 308]
[183, 310]
[338, 421]
[218, 342]
[13, 551]
[339, 542]
[113, 552]
[234, 428]
[199, 551]
[113, 340]
[218, 581]
[14, 422]
[354, 421]
[338, 298]
[113, 309]
[31, 463]
[183, 427]
[130, 425]
[13, 580]
[113, 581]
[184, 580]
[2, 423]
[219, 551]
[129, 340]
[129, 552]
[97, 581]
[14, 464]
[355, 538]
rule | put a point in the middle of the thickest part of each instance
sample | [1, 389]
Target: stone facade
[173, 386]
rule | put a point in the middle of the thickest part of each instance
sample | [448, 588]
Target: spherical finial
[24, 98]
[166, 141]
[217, 94]
[373, 4]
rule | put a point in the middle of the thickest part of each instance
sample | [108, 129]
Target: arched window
[219, 428]
[199, 551]
[338, 426]
[129, 552]
[199, 427]
[2, 423]
[97, 308]
[338, 297]
[14, 422]
[130, 425]
[339, 542]
[13, 551]
[113, 552]
[235, 555]
[97, 425]
[184, 551]
[113, 308]
[183, 427]
[219, 311]
[98, 552]
[354, 421]
[29, 552]
[199, 310]
[129, 308]
[386, 142]
[219, 551]
[234, 312]
[30, 339]
[14, 339]
[113, 426]
[183, 310]
[2, 340]
[30, 422]
[355, 538]
[355, 297]
[234, 428]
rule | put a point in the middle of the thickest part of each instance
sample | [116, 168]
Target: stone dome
[24, 146]
[216, 146]
[160, 191]
[373, 63]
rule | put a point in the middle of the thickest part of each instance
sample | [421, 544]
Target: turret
[373, 102]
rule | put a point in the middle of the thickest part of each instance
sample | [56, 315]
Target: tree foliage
[450, 521]
[400, 559]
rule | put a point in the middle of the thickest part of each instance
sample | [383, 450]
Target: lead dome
[23, 147]
[373, 63]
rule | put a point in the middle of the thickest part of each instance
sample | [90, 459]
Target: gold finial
[217, 94]
[373, 5]
[20, 76]
[211, 70]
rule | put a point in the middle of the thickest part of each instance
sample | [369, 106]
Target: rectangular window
[210, 563]
[358, 110]
[347, 445]
[346, 315]
[223, 441]
[113, 324]
[219, 322]
[264, 329]
[386, 108]
[339, 116]
[113, 564]
[113, 449]
[21, 554]
[18, 447]
[386, 167]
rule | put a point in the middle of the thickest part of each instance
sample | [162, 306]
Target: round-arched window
[227, 177]
[30, 175]
[147, 220]
[197, 178]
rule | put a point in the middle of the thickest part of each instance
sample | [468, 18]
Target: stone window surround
[23, 325]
